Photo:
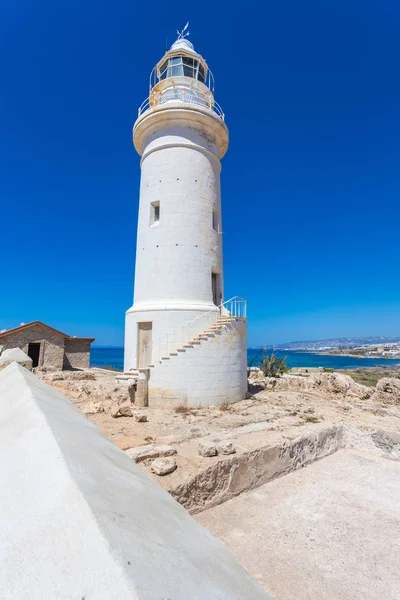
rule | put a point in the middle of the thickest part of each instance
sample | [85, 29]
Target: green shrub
[272, 366]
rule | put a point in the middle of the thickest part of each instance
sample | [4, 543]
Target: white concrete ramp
[79, 520]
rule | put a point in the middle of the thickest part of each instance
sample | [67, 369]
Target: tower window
[155, 212]
[215, 219]
[182, 66]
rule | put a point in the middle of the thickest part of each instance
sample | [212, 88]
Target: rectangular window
[155, 212]
[215, 219]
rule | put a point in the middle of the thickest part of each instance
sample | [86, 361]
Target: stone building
[191, 341]
[48, 347]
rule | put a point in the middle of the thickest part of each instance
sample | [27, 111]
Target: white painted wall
[181, 144]
[181, 148]
[79, 519]
[211, 373]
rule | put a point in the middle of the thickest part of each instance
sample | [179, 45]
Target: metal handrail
[182, 335]
[190, 98]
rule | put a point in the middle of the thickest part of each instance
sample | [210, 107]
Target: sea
[113, 358]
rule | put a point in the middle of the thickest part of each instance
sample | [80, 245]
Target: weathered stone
[140, 417]
[141, 453]
[207, 449]
[386, 440]
[226, 448]
[79, 375]
[388, 390]
[196, 431]
[142, 388]
[132, 392]
[255, 373]
[163, 466]
[92, 408]
[224, 479]
[336, 384]
[122, 411]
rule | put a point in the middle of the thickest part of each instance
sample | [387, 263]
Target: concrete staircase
[216, 328]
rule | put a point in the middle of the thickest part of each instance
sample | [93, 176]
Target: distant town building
[191, 342]
[48, 347]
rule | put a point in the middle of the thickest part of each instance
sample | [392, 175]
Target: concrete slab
[330, 531]
[80, 520]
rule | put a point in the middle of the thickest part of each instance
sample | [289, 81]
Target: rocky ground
[238, 469]
[275, 410]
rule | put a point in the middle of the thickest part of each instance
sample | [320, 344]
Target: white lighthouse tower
[190, 342]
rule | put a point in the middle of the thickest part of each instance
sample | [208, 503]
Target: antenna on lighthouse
[181, 34]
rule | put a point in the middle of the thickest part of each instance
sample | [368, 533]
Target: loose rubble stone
[226, 448]
[386, 440]
[92, 408]
[388, 391]
[122, 411]
[195, 431]
[140, 417]
[326, 383]
[141, 453]
[207, 449]
[79, 375]
[163, 466]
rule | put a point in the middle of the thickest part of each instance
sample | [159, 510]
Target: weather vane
[181, 34]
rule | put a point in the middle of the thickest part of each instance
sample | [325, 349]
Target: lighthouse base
[211, 372]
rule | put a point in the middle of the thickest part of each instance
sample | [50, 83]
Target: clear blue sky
[311, 181]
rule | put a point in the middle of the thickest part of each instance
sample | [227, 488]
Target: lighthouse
[188, 341]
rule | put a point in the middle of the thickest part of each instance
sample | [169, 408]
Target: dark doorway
[34, 353]
[214, 287]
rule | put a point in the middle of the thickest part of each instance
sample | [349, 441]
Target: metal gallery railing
[182, 94]
[168, 343]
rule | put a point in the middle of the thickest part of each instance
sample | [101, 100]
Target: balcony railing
[182, 94]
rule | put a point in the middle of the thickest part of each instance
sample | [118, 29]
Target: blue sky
[311, 181]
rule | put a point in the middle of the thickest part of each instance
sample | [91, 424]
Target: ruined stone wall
[51, 344]
[77, 354]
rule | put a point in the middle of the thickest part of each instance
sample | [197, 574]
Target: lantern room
[182, 75]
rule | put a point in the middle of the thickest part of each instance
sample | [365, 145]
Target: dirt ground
[275, 410]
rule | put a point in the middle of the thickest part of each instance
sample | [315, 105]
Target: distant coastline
[113, 358]
[358, 356]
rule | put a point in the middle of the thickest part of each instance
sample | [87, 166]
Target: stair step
[182, 349]
[173, 354]
[165, 358]
[188, 346]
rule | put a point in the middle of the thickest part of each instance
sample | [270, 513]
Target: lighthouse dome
[183, 44]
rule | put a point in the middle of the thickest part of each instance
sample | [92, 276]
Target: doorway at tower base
[210, 373]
